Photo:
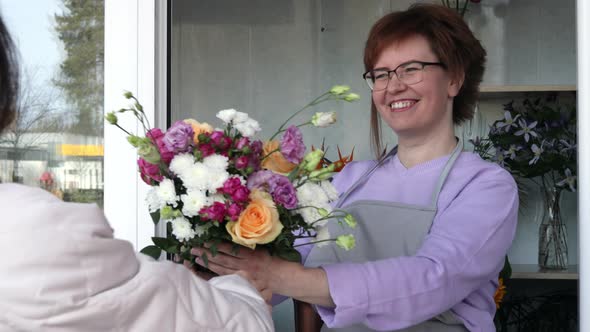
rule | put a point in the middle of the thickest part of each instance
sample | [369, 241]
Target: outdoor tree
[37, 117]
[81, 29]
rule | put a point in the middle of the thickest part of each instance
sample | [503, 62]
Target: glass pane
[269, 58]
[57, 140]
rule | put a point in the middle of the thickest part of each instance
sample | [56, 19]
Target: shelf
[532, 271]
[525, 88]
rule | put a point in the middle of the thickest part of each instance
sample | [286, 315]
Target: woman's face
[423, 108]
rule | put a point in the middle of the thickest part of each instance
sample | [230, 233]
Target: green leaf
[205, 259]
[152, 251]
[291, 255]
[155, 217]
[166, 244]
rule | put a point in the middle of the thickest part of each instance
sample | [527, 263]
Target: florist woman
[434, 222]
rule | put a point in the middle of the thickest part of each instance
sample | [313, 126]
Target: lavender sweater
[458, 264]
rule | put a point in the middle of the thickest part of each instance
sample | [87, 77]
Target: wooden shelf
[532, 271]
[525, 88]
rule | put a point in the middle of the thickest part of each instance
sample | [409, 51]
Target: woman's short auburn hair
[450, 39]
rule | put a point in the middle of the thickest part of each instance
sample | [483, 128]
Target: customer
[62, 270]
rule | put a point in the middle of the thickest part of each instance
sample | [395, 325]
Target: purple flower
[259, 180]
[283, 192]
[179, 137]
[149, 171]
[292, 146]
[279, 186]
[156, 135]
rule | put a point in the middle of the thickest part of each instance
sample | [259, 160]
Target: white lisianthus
[167, 193]
[181, 163]
[322, 234]
[323, 119]
[196, 177]
[227, 115]
[182, 229]
[216, 162]
[193, 202]
[248, 128]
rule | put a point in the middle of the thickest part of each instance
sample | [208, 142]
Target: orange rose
[275, 162]
[258, 223]
[199, 128]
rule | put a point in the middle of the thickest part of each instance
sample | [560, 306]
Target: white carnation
[216, 162]
[196, 177]
[216, 179]
[248, 128]
[167, 193]
[181, 163]
[240, 117]
[227, 115]
[193, 202]
[330, 191]
[153, 201]
[322, 234]
[182, 229]
[216, 198]
[311, 194]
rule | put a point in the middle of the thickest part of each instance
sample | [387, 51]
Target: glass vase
[552, 232]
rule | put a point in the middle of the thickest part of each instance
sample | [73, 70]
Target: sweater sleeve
[465, 248]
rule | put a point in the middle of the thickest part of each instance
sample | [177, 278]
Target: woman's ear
[455, 85]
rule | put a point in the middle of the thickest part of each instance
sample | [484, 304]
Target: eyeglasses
[408, 73]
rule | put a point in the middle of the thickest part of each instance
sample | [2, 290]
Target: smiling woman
[434, 222]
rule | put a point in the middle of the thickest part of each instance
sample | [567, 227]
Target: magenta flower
[234, 211]
[149, 171]
[215, 212]
[241, 195]
[206, 150]
[292, 146]
[179, 137]
[156, 135]
[231, 185]
[242, 162]
[242, 142]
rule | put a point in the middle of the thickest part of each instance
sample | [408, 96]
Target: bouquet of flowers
[211, 185]
[535, 140]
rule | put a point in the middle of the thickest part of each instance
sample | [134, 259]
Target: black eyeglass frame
[422, 63]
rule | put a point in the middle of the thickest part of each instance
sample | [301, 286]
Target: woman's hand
[270, 274]
[254, 265]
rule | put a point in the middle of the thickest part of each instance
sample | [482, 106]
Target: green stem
[314, 242]
[126, 132]
[273, 151]
[312, 103]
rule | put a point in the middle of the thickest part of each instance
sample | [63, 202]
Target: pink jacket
[62, 270]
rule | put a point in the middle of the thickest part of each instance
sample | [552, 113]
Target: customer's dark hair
[450, 39]
[9, 78]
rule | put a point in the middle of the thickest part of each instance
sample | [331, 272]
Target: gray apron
[387, 230]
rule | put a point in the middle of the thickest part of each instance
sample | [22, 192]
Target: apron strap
[363, 178]
[443, 176]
